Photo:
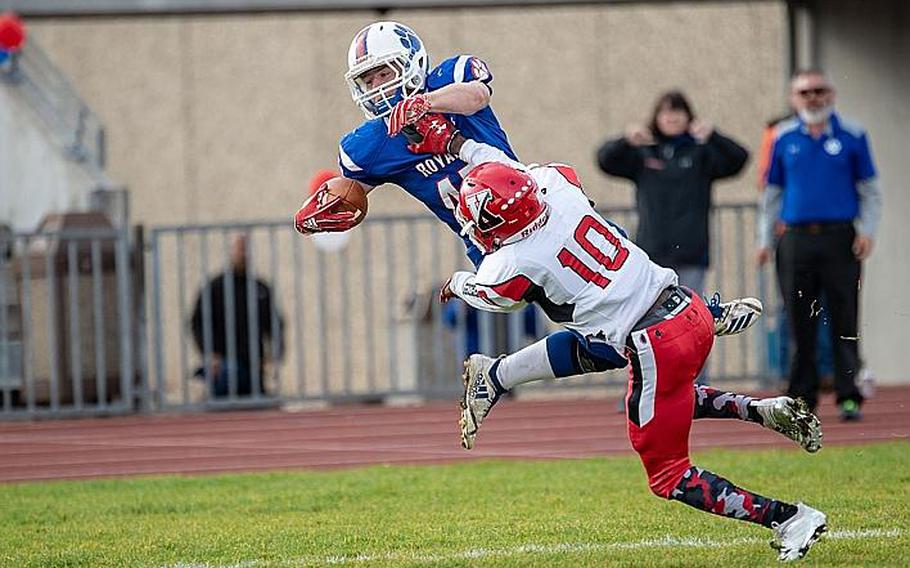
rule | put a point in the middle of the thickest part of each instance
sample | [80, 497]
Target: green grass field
[593, 512]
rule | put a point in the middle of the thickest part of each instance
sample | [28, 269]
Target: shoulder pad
[556, 174]
[458, 69]
[567, 172]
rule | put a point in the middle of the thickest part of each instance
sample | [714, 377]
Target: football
[353, 197]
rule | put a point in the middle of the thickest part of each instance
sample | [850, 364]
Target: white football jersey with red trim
[577, 266]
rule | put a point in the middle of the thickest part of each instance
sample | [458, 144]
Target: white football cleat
[735, 316]
[479, 397]
[794, 537]
[793, 419]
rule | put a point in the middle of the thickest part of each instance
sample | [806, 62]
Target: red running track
[364, 435]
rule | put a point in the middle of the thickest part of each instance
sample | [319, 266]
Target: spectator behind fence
[219, 366]
[673, 162]
[821, 184]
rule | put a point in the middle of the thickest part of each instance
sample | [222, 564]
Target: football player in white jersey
[543, 242]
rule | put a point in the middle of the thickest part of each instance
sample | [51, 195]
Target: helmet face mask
[379, 100]
[498, 205]
[484, 241]
[393, 46]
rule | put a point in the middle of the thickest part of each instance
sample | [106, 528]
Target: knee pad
[589, 363]
[570, 356]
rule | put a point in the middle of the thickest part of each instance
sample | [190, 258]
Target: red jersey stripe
[514, 288]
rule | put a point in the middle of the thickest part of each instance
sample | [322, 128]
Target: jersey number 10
[568, 259]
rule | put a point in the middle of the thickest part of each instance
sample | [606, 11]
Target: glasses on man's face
[816, 91]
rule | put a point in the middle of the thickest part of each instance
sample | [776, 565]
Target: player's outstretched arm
[476, 153]
[435, 134]
[460, 98]
[457, 98]
[464, 285]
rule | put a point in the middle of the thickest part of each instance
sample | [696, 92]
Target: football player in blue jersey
[390, 79]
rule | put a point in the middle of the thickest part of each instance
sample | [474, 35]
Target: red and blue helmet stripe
[361, 41]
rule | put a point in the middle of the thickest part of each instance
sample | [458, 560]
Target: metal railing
[362, 323]
[66, 323]
[312, 319]
[46, 89]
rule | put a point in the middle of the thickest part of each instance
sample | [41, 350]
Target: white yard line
[568, 548]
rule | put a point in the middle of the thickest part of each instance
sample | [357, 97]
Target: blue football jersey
[367, 153]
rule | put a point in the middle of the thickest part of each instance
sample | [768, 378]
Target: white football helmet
[386, 44]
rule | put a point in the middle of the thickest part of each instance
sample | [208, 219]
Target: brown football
[353, 197]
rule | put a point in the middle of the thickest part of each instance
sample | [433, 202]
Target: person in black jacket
[231, 351]
[673, 162]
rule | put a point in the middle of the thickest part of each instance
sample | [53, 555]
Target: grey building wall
[225, 117]
[865, 46]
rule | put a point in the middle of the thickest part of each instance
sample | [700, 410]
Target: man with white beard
[822, 186]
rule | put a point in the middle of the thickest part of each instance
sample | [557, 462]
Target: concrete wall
[226, 117]
[35, 177]
[865, 46]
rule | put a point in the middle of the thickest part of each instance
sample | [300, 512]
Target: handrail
[73, 124]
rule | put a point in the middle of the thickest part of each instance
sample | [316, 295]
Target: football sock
[494, 377]
[525, 365]
[558, 355]
[713, 403]
[710, 492]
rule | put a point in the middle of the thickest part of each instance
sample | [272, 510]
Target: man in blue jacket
[822, 186]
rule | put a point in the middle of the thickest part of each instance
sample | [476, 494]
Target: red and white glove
[437, 133]
[407, 112]
[316, 215]
[446, 293]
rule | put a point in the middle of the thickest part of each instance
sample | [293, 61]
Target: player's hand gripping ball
[338, 205]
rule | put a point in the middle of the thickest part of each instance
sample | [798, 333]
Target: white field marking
[568, 547]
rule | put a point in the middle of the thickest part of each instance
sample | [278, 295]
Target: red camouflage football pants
[666, 357]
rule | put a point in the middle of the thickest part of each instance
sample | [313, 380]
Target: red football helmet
[498, 205]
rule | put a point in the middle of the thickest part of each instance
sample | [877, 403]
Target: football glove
[406, 112]
[446, 293]
[437, 133]
[317, 215]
